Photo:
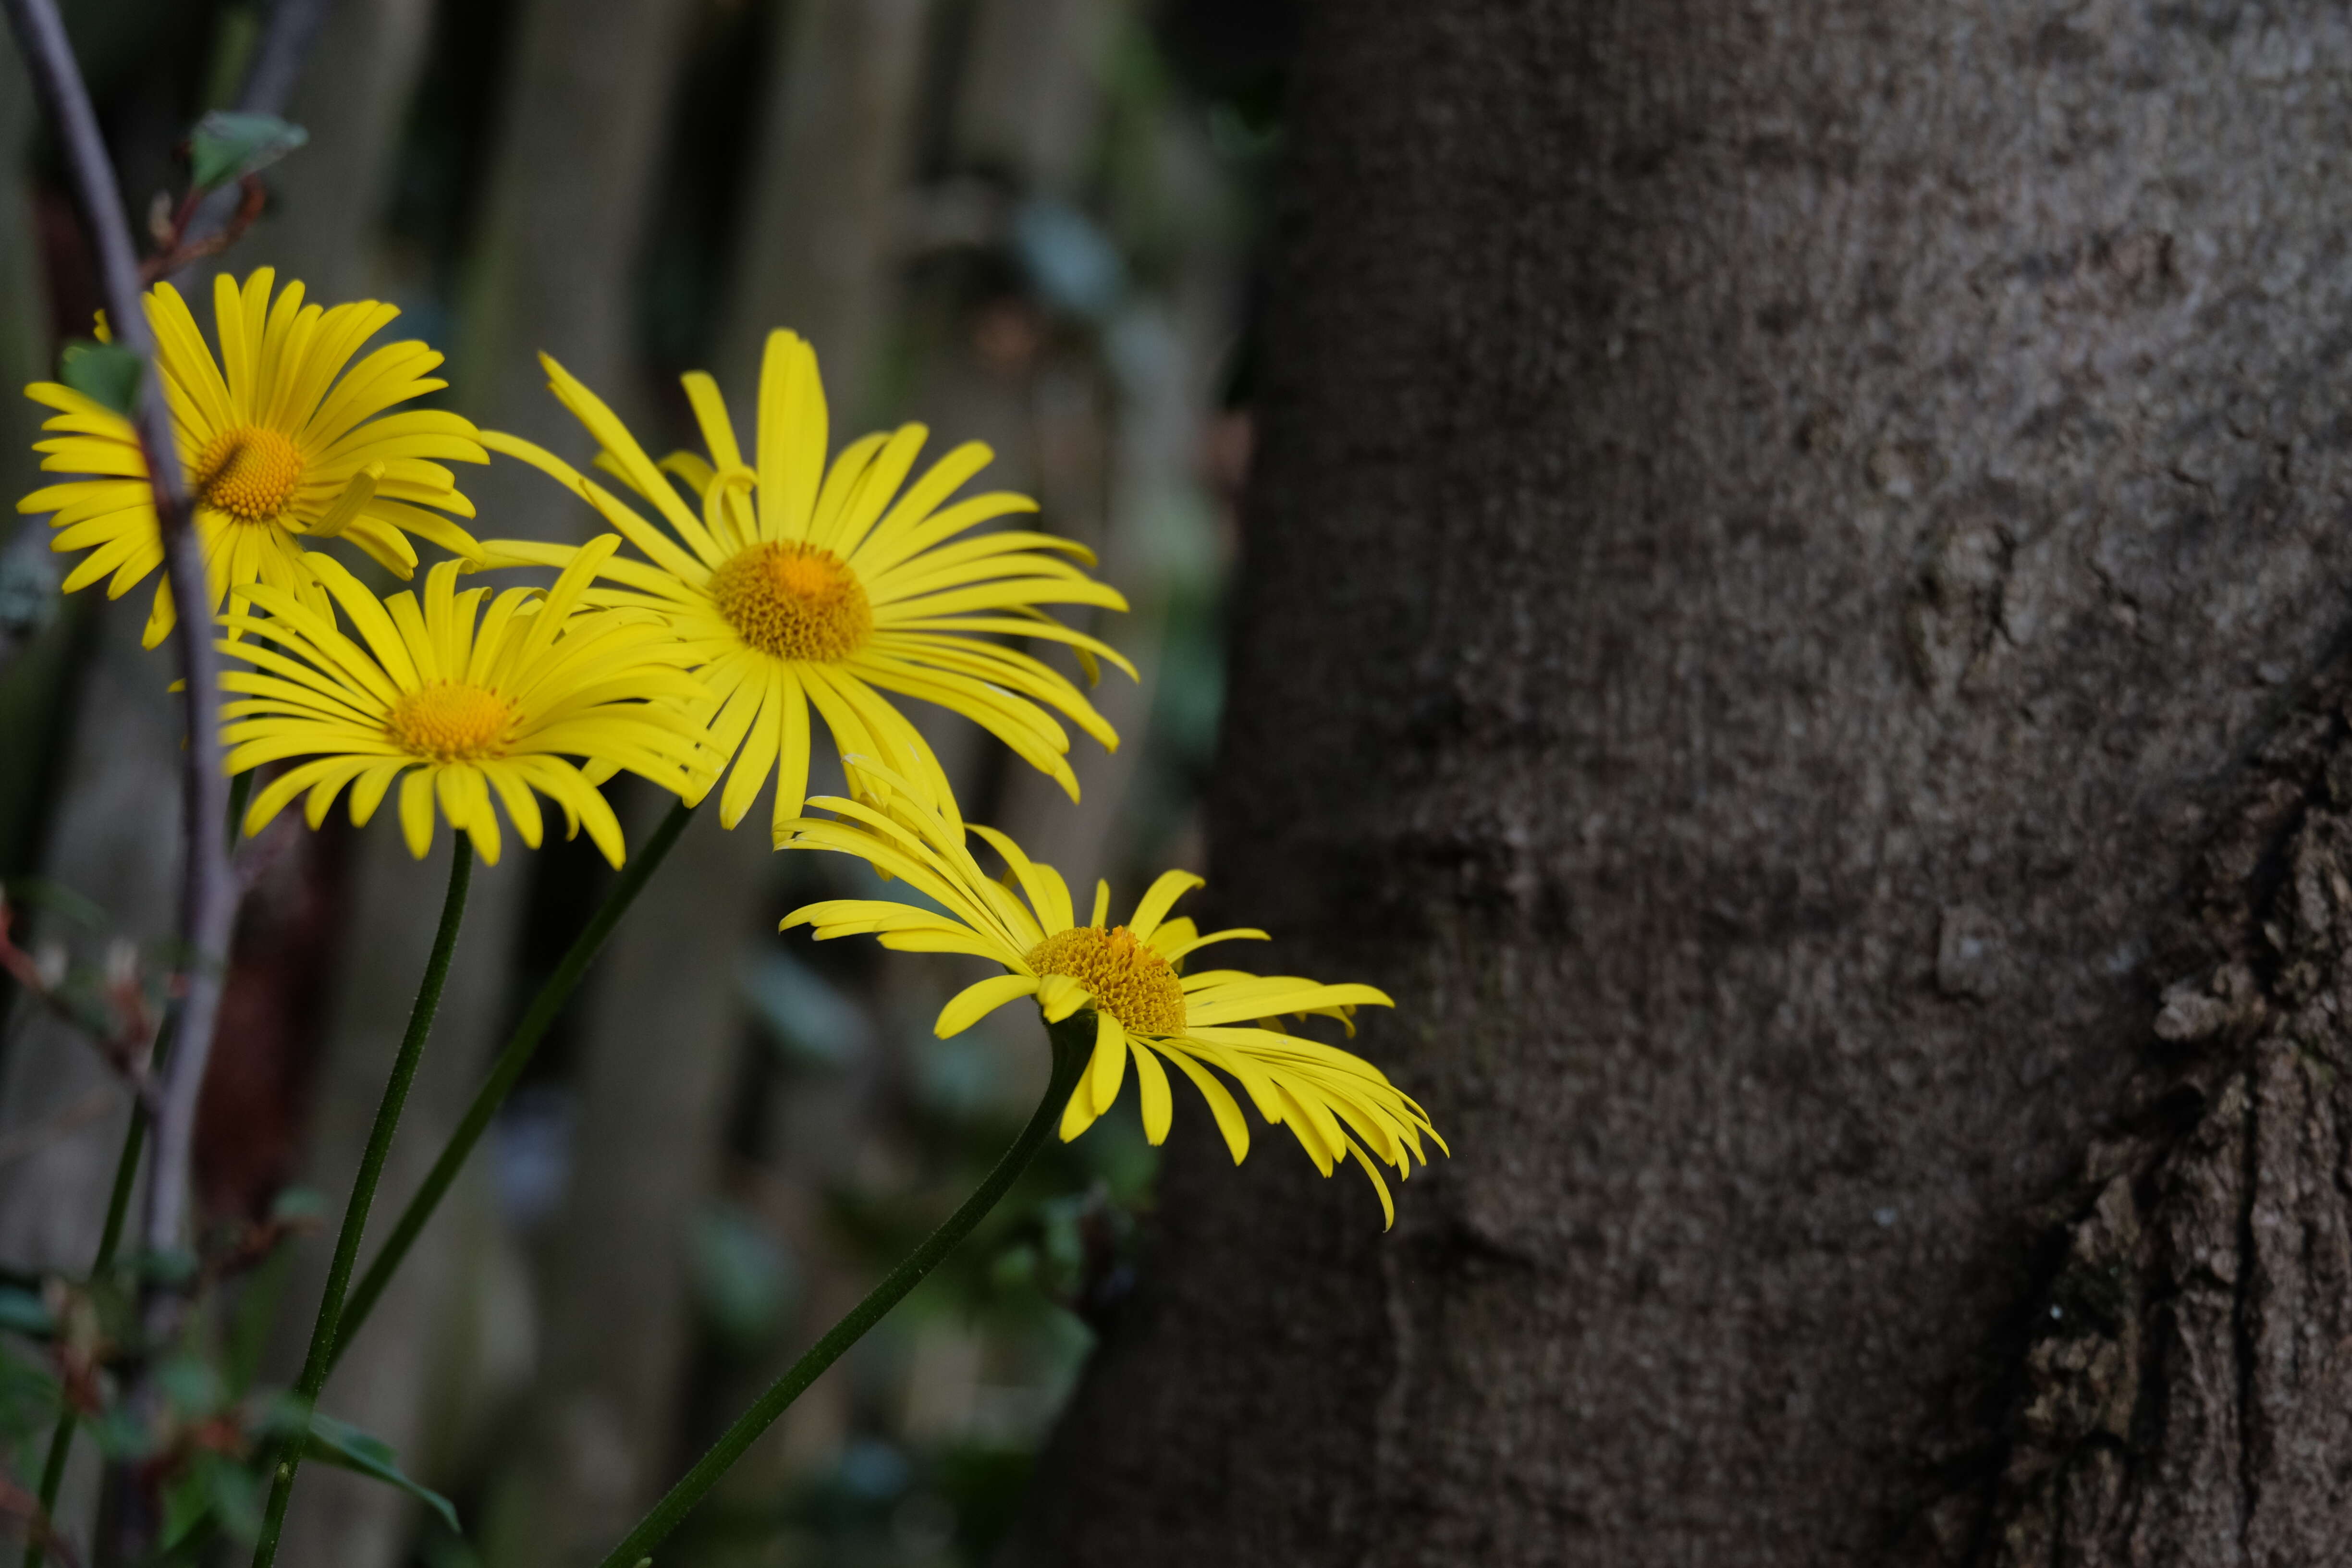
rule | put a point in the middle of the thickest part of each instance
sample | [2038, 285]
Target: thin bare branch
[17, 1504]
[58, 1126]
[208, 893]
[278, 63]
[183, 238]
[218, 219]
[208, 889]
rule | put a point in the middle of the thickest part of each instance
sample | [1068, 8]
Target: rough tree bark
[1793, 613]
[353, 98]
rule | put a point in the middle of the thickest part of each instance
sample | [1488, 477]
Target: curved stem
[511, 1061]
[1073, 1041]
[118, 1208]
[53, 1475]
[319, 1359]
[208, 889]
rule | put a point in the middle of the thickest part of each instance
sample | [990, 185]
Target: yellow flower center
[1126, 977]
[450, 722]
[794, 601]
[248, 473]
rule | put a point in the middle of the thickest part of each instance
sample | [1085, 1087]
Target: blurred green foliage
[945, 1405]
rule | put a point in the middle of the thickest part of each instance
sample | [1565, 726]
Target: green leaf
[193, 1384]
[283, 1415]
[236, 1495]
[742, 1279]
[226, 146]
[186, 1500]
[211, 1487]
[102, 372]
[167, 1266]
[62, 901]
[332, 1442]
[121, 1434]
[811, 1022]
[298, 1203]
[22, 1312]
[29, 1398]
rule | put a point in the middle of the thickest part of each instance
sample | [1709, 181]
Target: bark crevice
[2183, 1371]
[1772, 591]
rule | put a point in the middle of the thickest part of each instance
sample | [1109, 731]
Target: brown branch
[181, 243]
[215, 219]
[278, 63]
[208, 892]
[59, 1125]
[124, 1035]
[208, 889]
[16, 1501]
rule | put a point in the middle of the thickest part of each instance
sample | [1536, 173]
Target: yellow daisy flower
[458, 703]
[281, 444]
[1146, 1008]
[801, 585]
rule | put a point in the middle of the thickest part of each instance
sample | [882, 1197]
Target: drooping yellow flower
[281, 446]
[801, 585]
[1146, 1008]
[458, 703]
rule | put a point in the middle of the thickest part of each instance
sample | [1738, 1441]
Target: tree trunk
[582, 119]
[616, 1317]
[820, 251]
[393, 1379]
[667, 1021]
[354, 101]
[1792, 616]
[581, 124]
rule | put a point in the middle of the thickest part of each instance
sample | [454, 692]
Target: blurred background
[1033, 222]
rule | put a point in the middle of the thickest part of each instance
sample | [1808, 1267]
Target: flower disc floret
[450, 721]
[248, 473]
[1126, 976]
[819, 593]
[794, 601]
[285, 434]
[460, 699]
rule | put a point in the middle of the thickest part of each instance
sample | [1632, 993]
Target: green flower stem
[319, 1358]
[240, 791]
[1074, 1040]
[511, 1063]
[53, 1475]
[118, 1210]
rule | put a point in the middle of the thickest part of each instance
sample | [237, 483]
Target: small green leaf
[298, 1203]
[168, 1266]
[226, 146]
[332, 1442]
[22, 1312]
[69, 905]
[102, 372]
[122, 1435]
[29, 1398]
[236, 1494]
[192, 1383]
[743, 1279]
[186, 1500]
[283, 1415]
